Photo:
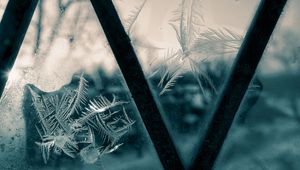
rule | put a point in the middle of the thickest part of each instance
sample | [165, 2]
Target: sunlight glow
[13, 75]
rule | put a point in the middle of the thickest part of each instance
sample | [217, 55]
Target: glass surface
[58, 109]
[3, 4]
[186, 49]
[265, 135]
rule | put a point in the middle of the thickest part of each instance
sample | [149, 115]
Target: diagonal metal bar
[13, 27]
[238, 81]
[137, 83]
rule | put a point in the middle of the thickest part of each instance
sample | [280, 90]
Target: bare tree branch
[39, 28]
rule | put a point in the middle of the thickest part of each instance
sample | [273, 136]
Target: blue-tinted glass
[265, 133]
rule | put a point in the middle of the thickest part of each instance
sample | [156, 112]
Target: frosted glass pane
[3, 4]
[186, 49]
[265, 134]
[66, 104]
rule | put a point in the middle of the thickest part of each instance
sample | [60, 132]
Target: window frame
[17, 17]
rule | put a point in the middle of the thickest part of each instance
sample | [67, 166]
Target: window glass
[66, 104]
[3, 4]
[265, 133]
[186, 49]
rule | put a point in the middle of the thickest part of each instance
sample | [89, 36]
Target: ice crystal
[67, 121]
[197, 42]
[134, 14]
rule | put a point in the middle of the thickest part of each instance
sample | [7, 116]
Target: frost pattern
[197, 43]
[70, 120]
[134, 14]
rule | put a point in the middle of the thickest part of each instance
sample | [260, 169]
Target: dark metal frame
[13, 27]
[15, 23]
[238, 81]
[137, 83]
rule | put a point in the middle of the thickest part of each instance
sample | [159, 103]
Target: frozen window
[265, 133]
[78, 96]
[2, 7]
[186, 49]
[65, 104]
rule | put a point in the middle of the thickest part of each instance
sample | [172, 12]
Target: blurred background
[65, 37]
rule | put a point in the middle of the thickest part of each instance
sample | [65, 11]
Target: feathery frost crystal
[70, 124]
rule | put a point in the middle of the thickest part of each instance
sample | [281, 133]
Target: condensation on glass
[65, 55]
[186, 49]
[265, 132]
